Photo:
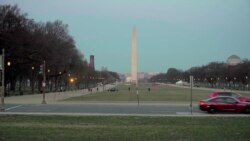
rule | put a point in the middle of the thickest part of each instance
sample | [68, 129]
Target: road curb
[137, 115]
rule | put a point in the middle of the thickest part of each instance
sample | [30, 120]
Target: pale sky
[170, 33]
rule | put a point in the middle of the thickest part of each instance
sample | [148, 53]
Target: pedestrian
[149, 89]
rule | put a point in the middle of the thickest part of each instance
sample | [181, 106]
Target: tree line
[28, 43]
[214, 74]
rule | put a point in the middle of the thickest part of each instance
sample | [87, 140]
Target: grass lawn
[115, 128]
[162, 93]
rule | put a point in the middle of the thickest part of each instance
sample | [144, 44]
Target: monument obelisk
[134, 58]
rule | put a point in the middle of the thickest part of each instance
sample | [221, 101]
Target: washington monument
[134, 58]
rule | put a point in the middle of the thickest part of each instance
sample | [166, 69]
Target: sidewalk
[51, 98]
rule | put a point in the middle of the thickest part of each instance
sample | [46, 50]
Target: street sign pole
[191, 94]
[137, 93]
[3, 90]
[44, 83]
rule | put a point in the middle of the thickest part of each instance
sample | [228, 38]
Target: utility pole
[3, 90]
[137, 93]
[44, 83]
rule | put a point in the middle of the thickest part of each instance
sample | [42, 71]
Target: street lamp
[71, 80]
[44, 82]
[32, 79]
[234, 82]
[2, 109]
[246, 81]
[8, 63]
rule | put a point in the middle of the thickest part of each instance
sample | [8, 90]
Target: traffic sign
[41, 69]
[44, 84]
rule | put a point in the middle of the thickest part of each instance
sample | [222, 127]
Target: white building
[233, 60]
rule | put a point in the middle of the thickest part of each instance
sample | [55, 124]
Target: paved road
[103, 109]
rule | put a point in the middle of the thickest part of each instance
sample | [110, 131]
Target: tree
[28, 43]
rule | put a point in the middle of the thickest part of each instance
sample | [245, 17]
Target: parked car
[113, 90]
[231, 94]
[224, 104]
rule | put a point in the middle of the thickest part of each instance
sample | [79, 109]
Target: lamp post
[218, 81]
[44, 83]
[235, 82]
[3, 90]
[49, 81]
[212, 83]
[226, 82]
[247, 82]
[32, 79]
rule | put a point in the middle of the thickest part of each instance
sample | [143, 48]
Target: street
[103, 108]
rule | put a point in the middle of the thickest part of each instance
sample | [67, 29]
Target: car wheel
[212, 110]
[247, 110]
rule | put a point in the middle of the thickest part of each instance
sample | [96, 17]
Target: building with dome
[233, 60]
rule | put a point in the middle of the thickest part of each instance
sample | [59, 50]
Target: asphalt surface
[102, 108]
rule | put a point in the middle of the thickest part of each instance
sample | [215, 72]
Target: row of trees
[216, 74]
[28, 43]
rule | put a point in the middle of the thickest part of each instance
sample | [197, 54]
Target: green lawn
[115, 128]
[158, 93]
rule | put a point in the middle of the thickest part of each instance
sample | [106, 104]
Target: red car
[231, 94]
[224, 104]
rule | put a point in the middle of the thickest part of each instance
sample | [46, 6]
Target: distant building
[92, 62]
[142, 76]
[104, 69]
[233, 60]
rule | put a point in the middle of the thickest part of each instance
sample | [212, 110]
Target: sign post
[3, 90]
[191, 94]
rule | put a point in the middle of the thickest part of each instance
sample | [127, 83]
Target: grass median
[163, 93]
[113, 128]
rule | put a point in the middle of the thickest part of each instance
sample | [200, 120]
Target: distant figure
[97, 89]
[149, 89]
[129, 89]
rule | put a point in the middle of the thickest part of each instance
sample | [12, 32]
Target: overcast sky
[170, 33]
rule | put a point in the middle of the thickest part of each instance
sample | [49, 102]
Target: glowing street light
[71, 80]
[8, 63]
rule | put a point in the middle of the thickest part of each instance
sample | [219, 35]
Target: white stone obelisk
[134, 58]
